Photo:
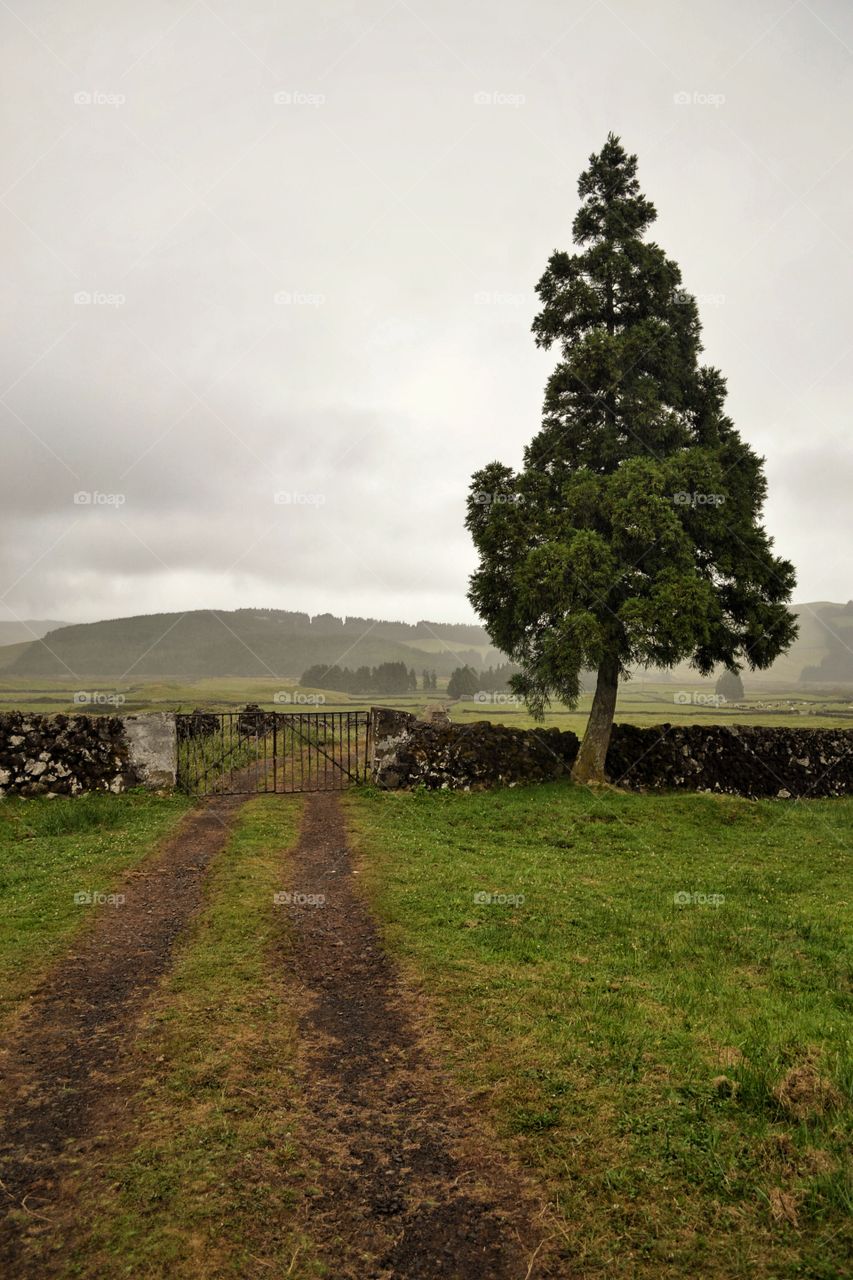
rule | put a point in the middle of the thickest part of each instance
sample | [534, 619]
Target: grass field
[52, 849]
[676, 1072]
[206, 1176]
[647, 998]
[640, 702]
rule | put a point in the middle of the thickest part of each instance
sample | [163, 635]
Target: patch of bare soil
[64, 1074]
[411, 1186]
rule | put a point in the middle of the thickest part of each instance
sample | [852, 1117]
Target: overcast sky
[309, 236]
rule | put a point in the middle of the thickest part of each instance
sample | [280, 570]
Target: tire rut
[67, 1069]
[410, 1185]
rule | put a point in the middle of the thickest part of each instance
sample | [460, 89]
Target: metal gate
[255, 751]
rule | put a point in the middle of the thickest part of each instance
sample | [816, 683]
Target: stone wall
[738, 760]
[734, 760]
[67, 755]
[408, 752]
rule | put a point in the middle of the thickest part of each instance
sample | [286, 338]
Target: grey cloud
[332, 294]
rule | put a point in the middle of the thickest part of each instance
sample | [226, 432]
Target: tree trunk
[589, 766]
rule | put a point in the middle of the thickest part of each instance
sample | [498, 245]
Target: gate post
[389, 730]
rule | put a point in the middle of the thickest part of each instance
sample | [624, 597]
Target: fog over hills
[274, 642]
[246, 642]
[26, 629]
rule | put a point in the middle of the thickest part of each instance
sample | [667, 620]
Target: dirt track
[66, 1071]
[410, 1187]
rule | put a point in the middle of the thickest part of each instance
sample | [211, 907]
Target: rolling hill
[274, 642]
[244, 642]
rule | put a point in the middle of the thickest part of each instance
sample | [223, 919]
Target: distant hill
[10, 653]
[29, 629]
[824, 646]
[835, 627]
[273, 642]
[245, 642]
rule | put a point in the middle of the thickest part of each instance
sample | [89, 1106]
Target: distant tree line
[387, 678]
[465, 681]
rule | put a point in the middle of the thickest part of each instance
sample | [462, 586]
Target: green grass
[641, 701]
[207, 1176]
[49, 850]
[674, 1074]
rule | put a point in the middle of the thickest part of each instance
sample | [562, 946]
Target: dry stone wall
[749, 761]
[67, 755]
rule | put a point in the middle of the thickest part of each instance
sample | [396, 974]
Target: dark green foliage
[463, 683]
[730, 687]
[496, 679]
[388, 677]
[633, 529]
